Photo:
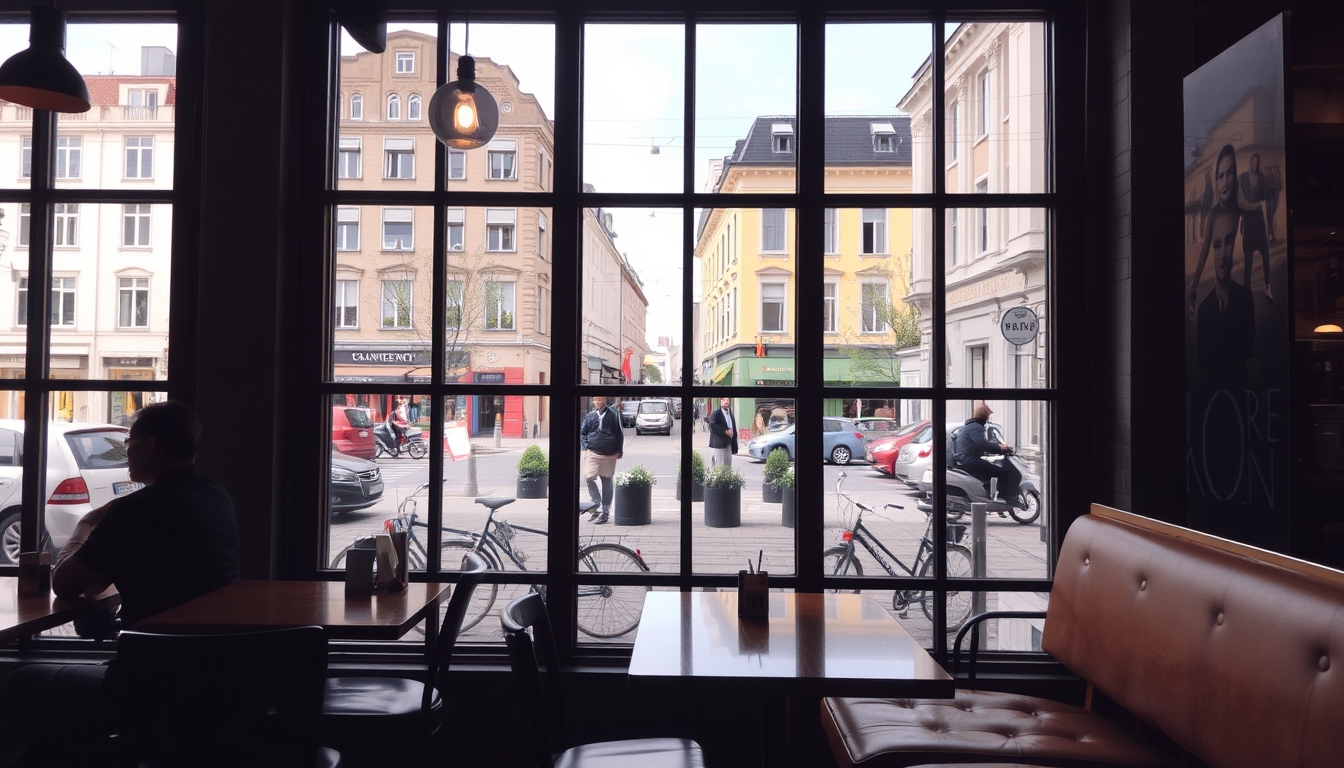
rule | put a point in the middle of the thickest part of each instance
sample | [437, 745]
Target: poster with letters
[1237, 318]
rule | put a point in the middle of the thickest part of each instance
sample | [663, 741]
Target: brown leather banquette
[1236, 654]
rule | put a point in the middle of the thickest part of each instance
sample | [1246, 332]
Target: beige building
[614, 305]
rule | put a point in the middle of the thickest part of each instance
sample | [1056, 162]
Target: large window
[133, 302]
[399, 162]
[139, 157]
[69, 151]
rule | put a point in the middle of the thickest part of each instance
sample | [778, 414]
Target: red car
[352, 431]
[882, 451]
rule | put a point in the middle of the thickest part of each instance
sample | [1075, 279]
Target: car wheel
[637, 432]
[840, 455]
[10, 542]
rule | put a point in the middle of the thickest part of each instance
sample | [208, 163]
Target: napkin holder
[389, 565]
[753, 595]
[359, 562]
[34, 573]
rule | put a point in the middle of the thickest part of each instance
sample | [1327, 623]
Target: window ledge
[980, 140]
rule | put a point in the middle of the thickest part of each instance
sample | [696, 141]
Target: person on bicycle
[398, 419]
[601, 437]
[971, 447]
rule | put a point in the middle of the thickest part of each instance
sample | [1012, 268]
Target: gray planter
[770, 494]
[634, 505]
[723, 507]
[788, 511]
[697, 491]
[533, 487]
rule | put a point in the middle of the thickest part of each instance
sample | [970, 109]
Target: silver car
[653, 416]
[916, 456]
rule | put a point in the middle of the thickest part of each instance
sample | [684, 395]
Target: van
[352, 431]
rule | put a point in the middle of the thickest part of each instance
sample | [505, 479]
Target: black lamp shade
[40, 76]
[463, 114]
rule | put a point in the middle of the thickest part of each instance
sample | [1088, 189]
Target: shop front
[123, 403]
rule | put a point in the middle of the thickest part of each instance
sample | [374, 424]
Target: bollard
[499, 429]
[978, 513]
[470, 488]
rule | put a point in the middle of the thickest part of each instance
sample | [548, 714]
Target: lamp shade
[1329, 328]
[463, 114]
[40, 76]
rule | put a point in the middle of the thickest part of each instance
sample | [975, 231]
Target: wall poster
[1237, 319]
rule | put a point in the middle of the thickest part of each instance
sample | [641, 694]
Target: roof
[849, 141]
[105, 90]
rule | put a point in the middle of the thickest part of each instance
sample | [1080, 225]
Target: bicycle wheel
[339, 560]
[840, 561]
[610, 610]
[959, 566]
[483, 599]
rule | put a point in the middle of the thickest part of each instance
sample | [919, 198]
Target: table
[247, 606]
[21, 617]
[812, 645]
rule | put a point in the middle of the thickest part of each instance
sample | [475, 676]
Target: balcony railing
[14, 113]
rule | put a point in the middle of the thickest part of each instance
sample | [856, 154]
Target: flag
[625, 365]
[760, 348]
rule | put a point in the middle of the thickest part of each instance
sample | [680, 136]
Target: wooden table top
[24, 616]
[820, 644]
[256, 605]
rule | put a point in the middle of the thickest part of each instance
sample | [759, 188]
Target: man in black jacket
[722, 435]
[972, 446]
[601, 436]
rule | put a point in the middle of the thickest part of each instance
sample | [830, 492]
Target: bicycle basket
[503, 531]
[955, 533]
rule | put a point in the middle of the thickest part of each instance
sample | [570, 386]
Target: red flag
[760, 348]
[625, 364]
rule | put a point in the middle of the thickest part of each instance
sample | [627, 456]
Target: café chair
[408, 707]
[536, 665]
[241, 700]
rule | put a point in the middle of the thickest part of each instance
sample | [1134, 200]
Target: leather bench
[1234, 653]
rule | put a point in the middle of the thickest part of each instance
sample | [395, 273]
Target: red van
[352, 431]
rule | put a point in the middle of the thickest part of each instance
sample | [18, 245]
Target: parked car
[675, 402]
[882, 451]
[352, 431]
[86, 468]
[917, 456]
[874, 427]
[629, 410]
[355, 483]
[654, 416]
[841, 441]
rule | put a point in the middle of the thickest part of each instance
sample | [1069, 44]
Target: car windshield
[908, 428]
[358, 418]
[102, 449]
[629, 405]
[652, 407]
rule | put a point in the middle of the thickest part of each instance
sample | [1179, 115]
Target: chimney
[157, 60]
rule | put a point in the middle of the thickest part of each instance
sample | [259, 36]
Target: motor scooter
[385, 442]
[965, 489]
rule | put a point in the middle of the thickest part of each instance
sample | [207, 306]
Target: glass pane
[746, 315]
[1007, 634]
[517, 61]
[995, 121]
[634, 107]
[16, 133]
[888, 426]
[746, 103]
[996, 298]
[384, 144]
[871, 138]
[127, 138]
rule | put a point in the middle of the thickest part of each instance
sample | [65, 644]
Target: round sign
[1019, 325]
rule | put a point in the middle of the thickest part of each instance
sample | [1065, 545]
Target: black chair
[243, 700]
[400, 712]
[537, 666]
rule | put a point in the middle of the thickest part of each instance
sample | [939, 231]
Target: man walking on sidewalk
[722, 435]
[601, 436]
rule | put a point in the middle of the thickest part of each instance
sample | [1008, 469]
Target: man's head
[1227, 175]
[1222, 238]
[599, 402]
[982, 411]
[724, 403]
[163, 436]
[1255, 163]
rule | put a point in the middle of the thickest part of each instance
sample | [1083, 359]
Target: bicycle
[841, 560]
[605, 611]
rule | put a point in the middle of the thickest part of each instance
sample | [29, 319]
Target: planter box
[723, 507]
[788, 512]
[634, 505]
[532, 487]
[770, 494]
[697, 492]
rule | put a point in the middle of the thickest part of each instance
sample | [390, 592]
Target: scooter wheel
[1027, 507]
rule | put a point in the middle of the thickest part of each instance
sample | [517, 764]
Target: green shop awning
[722, 372]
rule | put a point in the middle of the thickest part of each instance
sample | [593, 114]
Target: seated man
[173, 540]
[972, 445]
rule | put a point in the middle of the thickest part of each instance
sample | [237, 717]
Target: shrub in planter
[723, 498]
[697, 478]
[776, 464]
[533, 469]
[634, 496]
[789, 504]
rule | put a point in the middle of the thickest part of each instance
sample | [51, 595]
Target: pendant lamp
[40, 76]
[463, 114]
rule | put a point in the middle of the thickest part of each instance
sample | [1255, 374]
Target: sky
[634, 101]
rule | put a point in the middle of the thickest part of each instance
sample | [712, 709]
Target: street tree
[652, 375]
[886, 327]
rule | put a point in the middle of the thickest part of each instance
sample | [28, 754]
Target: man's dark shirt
[601, 433]
[166, 543]
[1225, 338]
[971, 442]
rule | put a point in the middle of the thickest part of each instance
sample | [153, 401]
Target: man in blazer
[722, 435]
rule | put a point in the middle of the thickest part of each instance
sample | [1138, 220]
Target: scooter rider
[972, 445]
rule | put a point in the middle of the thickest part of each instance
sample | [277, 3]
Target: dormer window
[884, 137]
[781, 135]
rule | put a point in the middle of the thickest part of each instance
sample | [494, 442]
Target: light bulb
[464, 114]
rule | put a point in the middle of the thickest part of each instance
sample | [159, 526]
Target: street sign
[1019, 326]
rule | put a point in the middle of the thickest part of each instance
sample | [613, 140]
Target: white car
[653, 416]
[86, 468]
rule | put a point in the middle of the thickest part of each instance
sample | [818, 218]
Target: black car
[355, 483]
[629, 409]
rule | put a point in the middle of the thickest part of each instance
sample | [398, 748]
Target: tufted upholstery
[1232, 653]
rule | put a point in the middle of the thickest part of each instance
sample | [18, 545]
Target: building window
[773, 230]
[502, 155]
[455, 305]
[952, 236]
[884, 137]
[68, 151]
[405, 62]
[348, 164]
[499, 306]
[400, 158]
[984, 103]
[457, 164]
[873, 306]
[139, 157]
[977, 359]
[832, 231]
[135, 225]
[543, 244]
[982, 226]
[356, 107]
[393, 107]
[397, 298]
[782, 136]
[874, 230]
[543, 310]
[345, 303]
[144, 104]
[398, 229]
[133, 302]
[62, 302]
[830, 307]
[953, 129]
[26, 157]
[457, 240]
[499, 226]
[544, 170]
[413, 107]
[347, 228]
[67, 224]
[25, 223]
[772, 307]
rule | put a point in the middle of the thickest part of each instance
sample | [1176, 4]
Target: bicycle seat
[495, 502]
[586, 506]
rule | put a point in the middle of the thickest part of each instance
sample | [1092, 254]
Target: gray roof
[849, 141]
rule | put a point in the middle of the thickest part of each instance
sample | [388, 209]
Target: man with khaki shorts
[600, 436]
